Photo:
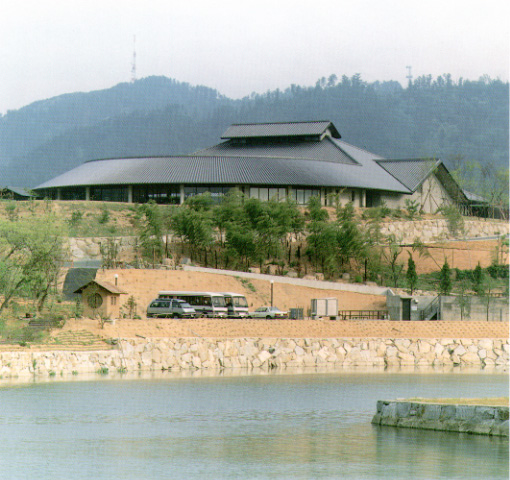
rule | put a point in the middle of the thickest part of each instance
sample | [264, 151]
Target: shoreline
[159, 375]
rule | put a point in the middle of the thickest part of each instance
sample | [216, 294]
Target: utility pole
[409, 74]
[133, 64]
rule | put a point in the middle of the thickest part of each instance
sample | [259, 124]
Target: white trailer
[324, 307]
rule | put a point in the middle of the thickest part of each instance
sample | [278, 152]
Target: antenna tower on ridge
[409, 74]
[133, 65]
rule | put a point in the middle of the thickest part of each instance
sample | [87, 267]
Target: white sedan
[267, 312]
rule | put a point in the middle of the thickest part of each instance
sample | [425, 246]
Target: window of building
[75, 193]
[303, 195]
[109, 193]
[95, 300]
[216, 191]
[162, 194]
[265, 193]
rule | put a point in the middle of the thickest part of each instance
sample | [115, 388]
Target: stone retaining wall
[258, 353]
[404, 231]
[431, 230]
[479, 419]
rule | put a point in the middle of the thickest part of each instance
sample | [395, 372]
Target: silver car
[170, 308]
[267, 312]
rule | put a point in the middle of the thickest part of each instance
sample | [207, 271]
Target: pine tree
[411, 275]
[478, 280]
[445, 282]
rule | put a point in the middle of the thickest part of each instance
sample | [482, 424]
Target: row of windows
[109, 194]
[171, 194]
[166, 194]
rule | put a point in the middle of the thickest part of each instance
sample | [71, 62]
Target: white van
[171, 308]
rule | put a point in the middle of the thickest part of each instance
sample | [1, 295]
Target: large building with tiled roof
[270, 160]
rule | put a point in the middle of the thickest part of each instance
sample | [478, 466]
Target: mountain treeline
[459, 121]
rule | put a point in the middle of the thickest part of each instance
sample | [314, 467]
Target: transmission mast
[409, 74]
[133, 64]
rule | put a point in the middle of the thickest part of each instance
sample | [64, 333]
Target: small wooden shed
[100, 298]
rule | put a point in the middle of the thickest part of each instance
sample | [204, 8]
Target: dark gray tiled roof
[226, 170]
[326, 163]
[18, 191]
[474, 198]
[326, 151]
[289, 129]
[410, 172]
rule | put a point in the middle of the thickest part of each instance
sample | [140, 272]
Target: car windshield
[261, 309]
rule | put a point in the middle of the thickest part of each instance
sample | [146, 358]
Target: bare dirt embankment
[464, 255]
[144, 285]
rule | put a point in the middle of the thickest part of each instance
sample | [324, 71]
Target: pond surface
[284, 426]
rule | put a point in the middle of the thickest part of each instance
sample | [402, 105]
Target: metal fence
[363, 314]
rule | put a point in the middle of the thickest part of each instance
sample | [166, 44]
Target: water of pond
[284, 426]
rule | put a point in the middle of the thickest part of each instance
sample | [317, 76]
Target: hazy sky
[51, 47]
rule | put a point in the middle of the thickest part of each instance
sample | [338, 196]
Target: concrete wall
[431, 196]
[259, 353]
[479, 419]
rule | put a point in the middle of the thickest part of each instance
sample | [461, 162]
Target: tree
[151, 233]
[478, 280]
[31, 254]
[411, 275]
[445, 281]
[194, 227]
[390, 254]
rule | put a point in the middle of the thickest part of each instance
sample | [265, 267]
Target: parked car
[170, 308]
[267, 312]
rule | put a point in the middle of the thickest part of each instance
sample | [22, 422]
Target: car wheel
[269, 317]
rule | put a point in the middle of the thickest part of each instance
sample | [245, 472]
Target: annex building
[270, 160]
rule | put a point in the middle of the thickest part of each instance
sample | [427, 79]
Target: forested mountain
[453, 120]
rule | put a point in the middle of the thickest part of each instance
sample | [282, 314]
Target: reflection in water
[262, 426]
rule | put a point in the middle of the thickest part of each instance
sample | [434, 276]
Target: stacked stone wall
[478, 419]
[259, 353]
[437, 229]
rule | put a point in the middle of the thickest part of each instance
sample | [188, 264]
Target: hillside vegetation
[238, 234]
[465, 123]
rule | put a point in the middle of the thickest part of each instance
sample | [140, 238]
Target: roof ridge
[375, 156]
[280, 123]
[335, 144]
